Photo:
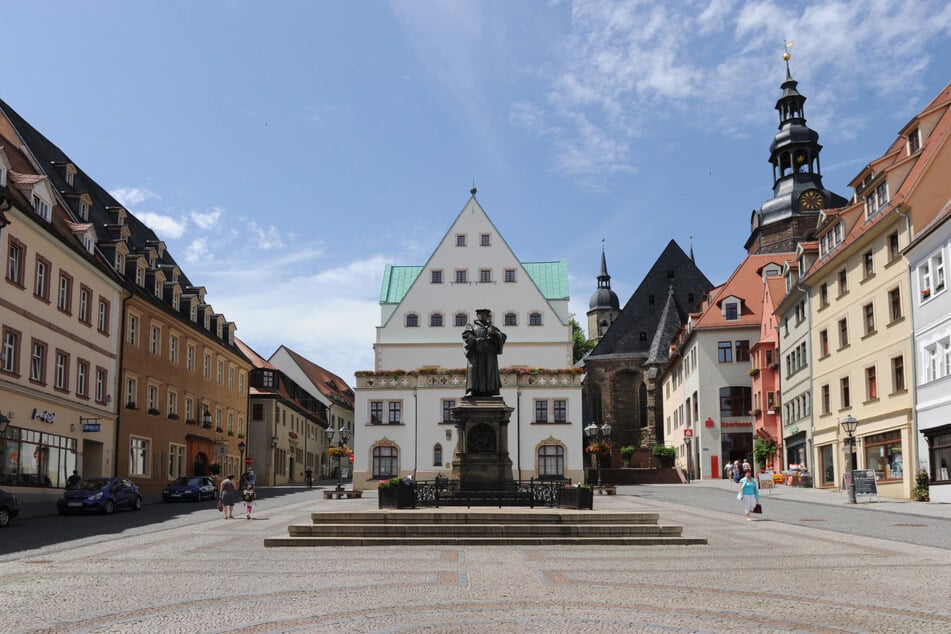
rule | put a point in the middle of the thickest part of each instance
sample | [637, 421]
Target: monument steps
[482, 528]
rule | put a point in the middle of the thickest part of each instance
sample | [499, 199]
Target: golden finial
[786, 46]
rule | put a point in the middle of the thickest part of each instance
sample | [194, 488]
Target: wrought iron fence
[531, 493]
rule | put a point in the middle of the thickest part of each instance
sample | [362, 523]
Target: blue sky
[287, 151]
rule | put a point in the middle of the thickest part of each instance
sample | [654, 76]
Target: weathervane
[786, 54]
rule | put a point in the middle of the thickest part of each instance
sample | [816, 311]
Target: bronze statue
[483, 345]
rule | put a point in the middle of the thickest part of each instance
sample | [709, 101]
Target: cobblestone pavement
[216, 576]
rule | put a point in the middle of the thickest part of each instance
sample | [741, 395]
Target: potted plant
[397, 493]
[664, 454]
[922, 482]
[579, 496]
[763, 452]
[626, 453]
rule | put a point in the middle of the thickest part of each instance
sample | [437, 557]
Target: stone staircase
[469, 527]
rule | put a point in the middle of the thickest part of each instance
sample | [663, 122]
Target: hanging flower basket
[340, 452]
[599, 448]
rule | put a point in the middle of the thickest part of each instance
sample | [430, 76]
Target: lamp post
[241, 447]
[343, 436]
[849, 424]
[600, 435]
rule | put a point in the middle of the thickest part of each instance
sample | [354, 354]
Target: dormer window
[88, 242]
[119, 262]
[207, 319]
[176, 296]
[139, 276]
[193, 312]
[914, 141]
[41, 207]
[731, 311]
[158, 288]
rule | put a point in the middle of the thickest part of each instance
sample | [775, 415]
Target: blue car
[100, 495]
[190, 489]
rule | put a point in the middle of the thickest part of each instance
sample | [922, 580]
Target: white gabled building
[402, 407]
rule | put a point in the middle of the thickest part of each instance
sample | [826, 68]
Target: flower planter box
[397, 497]
[575, 498]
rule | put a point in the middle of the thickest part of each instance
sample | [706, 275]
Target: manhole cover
[811, 519]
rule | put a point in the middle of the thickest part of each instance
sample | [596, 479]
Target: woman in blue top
[748, 493]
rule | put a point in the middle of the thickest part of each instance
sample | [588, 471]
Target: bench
[339, 495]
[609, 489]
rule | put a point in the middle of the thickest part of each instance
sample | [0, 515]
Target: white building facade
[931, 315]
[402, 413]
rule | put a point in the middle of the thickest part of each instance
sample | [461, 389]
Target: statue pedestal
[481, 460]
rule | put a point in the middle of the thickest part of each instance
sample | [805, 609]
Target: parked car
[9, 507]
[190, 489]
[105, 495]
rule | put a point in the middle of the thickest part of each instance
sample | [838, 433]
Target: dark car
[9, 507]
[190, 489]
[105, 495]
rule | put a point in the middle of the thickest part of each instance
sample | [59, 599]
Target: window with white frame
[41, 207]
[152, 398]
[102, 377]
[177, 467]
[102, 319]
[41, 286]
[38, 362]
[220, 373]
[138, 456]
[173, 348]
[84, 295]
[172, 404]
[931, 276]
[190, 358]
[82, 378]
[541, 411]
[64, 300]
[131, 392]
[206, 366]
[155, 339]
[133, 337]
[61, 371]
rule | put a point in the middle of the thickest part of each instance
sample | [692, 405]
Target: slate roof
[329, 384]
[639, 315]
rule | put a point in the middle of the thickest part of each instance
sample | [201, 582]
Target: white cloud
[166, 227]
[266, 238]
[132, 197]
[206, 219]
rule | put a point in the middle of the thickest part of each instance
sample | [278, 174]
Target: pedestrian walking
[746, 465]
[748, 493]
[248, 495]
[737, 474]
[73, 480]
[226, 495]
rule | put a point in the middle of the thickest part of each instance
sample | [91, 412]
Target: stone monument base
[481, 460]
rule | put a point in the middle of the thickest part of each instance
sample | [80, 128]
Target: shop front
[41, 444]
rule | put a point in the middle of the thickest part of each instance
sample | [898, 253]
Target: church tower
[790, 216]
[604, 306]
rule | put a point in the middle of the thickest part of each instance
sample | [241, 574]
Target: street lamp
[206, 419]
[4, 423]
[241, 447]
[849, 424]
[343, 436]
[600, 435]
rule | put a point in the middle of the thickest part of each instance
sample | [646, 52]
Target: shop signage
[44, 416]
[90, 427]
[688, 433]
[249, 460]
[736, 423]
[292, 434]
[709, 422]
[866, 488]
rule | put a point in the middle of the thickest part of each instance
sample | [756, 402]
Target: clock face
[811, 199]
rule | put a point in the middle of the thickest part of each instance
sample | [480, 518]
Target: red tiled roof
[746, 282]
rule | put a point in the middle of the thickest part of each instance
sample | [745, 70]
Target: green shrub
[922, 483]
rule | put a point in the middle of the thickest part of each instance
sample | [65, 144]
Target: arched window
[551, 461]
[435, 319]
[412, 320]
[461, 319]
[535, 319]
[385, 461]
[511, 319]
[437, 455]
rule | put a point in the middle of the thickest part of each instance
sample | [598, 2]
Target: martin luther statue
[483, 345]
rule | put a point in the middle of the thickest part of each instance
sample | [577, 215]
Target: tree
[582, 346]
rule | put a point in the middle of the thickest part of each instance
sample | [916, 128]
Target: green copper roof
[396, 282]
[551, 278]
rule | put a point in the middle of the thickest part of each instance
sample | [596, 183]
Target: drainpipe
[518, 432]
[415, 432]
[118, 392]
[903, 211]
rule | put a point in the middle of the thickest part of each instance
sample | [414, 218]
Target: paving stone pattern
[217, 576]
